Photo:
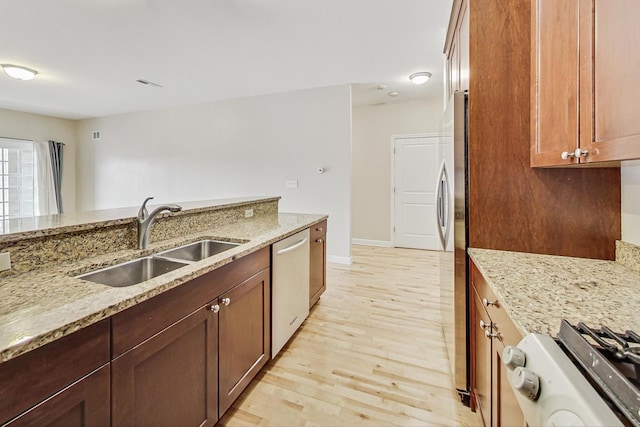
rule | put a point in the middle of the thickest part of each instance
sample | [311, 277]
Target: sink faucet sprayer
[145, 219]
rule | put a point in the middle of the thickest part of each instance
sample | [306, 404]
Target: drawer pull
[484, 325]
[319, 229]
[319, 240]
[215, 308]
[226, 301]
[487, 303]
[490, 335]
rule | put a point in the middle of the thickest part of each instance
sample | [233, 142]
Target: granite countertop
[41, 306]
[538, 291]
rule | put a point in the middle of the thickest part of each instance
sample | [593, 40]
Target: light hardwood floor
[371, 353]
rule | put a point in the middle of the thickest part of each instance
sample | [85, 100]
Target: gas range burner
[611, 360]
[619, 346]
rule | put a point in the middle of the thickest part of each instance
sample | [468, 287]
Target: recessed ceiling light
[420, 78]
[394, 94]
[18, 72]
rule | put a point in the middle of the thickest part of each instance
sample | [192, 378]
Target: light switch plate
[248, 213]
[5, 261]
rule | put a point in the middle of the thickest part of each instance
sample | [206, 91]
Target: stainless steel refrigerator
[452, 219]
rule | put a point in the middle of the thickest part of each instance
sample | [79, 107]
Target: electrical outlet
[5, 261]
[291, 183]
[248, 213]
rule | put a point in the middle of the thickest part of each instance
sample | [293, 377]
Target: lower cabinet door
[171, 379]
[317, 268]
[481, 360]
[84, 403]
[244, 336]
[506, 411]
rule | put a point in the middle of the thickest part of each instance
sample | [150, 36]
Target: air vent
[95, 134]
[147, 82]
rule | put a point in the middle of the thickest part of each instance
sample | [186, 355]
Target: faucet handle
[143, 213]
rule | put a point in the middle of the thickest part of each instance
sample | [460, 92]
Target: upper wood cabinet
[456, 49]
[584, 88]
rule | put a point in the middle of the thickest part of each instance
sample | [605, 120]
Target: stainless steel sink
[197, 251]
[132, 272]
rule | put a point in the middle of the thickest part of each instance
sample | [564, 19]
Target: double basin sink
[146, 268]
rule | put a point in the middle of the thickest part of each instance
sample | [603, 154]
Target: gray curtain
[55, 150]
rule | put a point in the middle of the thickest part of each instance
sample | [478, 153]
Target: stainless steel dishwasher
[289, 288]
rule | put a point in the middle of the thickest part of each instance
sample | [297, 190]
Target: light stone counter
[538, 291]
[45, 304]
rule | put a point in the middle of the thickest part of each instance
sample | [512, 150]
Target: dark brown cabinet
[85, 403]
[244, 336]
[491, 330]
[318, 262]
[184, 356]
[171, 378]
[584, 89]
[56, 378]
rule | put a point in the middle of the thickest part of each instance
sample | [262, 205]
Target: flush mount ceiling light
[18, 72]
[420, 78]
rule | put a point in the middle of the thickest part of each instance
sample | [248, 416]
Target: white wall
[16, 124]
[630, 186]
[241, 147]
[373, 126]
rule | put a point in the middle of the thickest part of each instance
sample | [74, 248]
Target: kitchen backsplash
[628, 255]
[35, 250]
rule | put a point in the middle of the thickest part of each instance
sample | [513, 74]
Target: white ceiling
[89, 53]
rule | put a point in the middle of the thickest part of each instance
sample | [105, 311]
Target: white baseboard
[346, 260]
[381, 243]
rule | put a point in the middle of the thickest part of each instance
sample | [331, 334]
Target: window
[16, 180]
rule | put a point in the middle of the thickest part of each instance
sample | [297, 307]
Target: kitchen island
[84, 353]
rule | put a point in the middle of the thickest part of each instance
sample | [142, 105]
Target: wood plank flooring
[371, 353]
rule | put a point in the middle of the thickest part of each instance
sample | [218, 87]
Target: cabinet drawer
[136, 324]
[38, 374]
[318, 230]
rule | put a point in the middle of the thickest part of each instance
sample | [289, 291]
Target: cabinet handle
[215, 308]
[319, 229]
[487, 303]
[484, 325]
[581, 153]
[489, 335]
[319, 240]
[567, 155]
[226, 301]
[571, 155]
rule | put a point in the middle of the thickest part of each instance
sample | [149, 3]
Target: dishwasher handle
[292, 247]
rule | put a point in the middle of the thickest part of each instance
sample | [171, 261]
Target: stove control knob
[513, 357]
[526, 382]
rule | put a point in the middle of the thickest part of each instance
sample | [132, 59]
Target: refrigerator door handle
[440, 207]
[447, 206]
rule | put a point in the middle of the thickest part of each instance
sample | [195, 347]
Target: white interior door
[415, 183]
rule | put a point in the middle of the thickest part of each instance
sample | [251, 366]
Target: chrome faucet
[145, 219]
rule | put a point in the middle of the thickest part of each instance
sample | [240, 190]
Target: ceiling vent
[147, 82]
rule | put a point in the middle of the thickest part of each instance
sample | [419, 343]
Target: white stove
[589, 380]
